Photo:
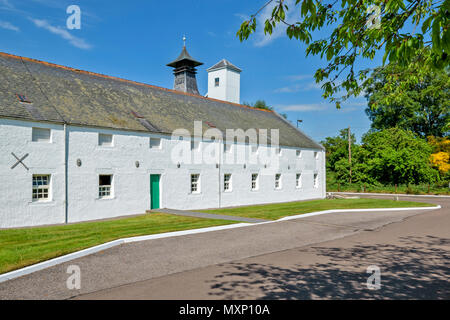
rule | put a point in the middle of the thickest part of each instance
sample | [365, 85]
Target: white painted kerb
[79, 254]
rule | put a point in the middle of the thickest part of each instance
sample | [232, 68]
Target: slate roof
[65, 95]
[224, 64]
[183, 59]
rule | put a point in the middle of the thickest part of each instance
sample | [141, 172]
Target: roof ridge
[126, 80]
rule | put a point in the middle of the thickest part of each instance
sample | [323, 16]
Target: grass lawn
[23, 247]
[280, 210]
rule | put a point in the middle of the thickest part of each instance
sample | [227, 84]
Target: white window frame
[155, 147]
[41, 189]
[195, 183]
[36, 135]
[104, 144]
[316, 180]
[316, 155]
[227, 184]
[216, 82]
[298, 180]
[105, 191]
[255, 182]
[195, 145]
[228, 148]
[278, 181]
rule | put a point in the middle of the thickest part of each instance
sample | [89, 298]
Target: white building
[78, 146]
[224, 81]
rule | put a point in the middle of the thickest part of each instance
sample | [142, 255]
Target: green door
[154, 190]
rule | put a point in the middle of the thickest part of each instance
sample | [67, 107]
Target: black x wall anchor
[19, 161]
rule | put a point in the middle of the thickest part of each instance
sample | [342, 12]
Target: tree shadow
[417, 268]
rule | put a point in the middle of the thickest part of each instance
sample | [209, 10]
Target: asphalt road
[321, 257]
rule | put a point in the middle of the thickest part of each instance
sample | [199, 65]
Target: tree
[422, 108]
[337, 158]
[261, 104]
[396, 156]
[337, 147]
[359, 29]
[440, 159]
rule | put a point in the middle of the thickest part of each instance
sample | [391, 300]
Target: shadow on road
[417, 268]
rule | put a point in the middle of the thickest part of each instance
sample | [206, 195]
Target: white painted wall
[229, 87]
[16, 206]
[131, 185]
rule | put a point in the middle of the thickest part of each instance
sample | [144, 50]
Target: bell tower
[185, 71]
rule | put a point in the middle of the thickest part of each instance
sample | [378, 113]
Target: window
[155, 143]
[216, 82]
[299, 153]
[227, 182]
[316, 155]
[316, 180]
[195, 183]
[104, 186]
[41, 187]
[255, 178]
[279, 151]
[105, 140]
[298, 180]
[278, 181]
[41, 135]
[23, 98]
[227, 147]
[255, 149]
[195, 145]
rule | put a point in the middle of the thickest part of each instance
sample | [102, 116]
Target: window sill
[195, 193]
[42, 203]
[105, 199]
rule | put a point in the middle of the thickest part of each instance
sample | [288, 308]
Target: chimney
[185, 71]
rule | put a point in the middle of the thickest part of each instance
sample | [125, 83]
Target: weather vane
[184, 40]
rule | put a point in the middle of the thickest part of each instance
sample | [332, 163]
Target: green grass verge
[280, 210]
[23, 247]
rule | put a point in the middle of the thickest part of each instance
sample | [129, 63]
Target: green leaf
[426, 24]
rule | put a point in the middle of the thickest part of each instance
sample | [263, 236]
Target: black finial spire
[184, 71]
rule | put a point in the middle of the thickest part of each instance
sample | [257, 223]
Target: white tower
[224, 81]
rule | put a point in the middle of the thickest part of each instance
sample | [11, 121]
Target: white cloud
[304, 107]
[8, 26]
[63, 33]
[347, 106]
[6, 4]
[242, 16]
[300, 87]
[262, 39]
[298, 77]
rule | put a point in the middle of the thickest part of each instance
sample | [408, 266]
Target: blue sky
[135, 39]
